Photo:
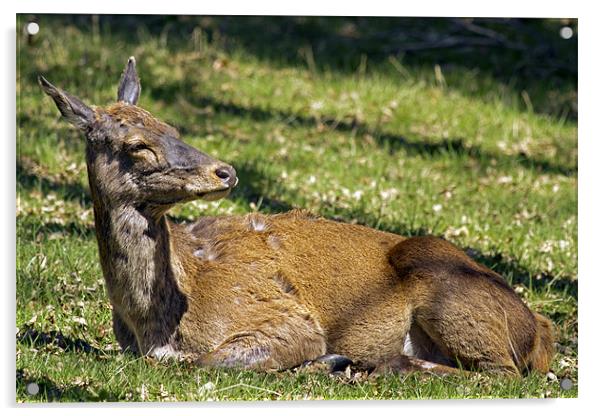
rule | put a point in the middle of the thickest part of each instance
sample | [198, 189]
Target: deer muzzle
[181, 156]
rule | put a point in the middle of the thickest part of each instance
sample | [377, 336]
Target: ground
[313, 115]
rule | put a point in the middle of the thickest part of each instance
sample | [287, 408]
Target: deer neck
[135, 255]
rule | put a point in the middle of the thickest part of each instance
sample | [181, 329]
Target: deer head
[134, 158]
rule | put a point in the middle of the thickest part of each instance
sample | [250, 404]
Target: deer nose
[228, 175]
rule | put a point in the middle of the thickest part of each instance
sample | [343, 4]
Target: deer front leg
[130, 344]
[125, 337]
[285, 340]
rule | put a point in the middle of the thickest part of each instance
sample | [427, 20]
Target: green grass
[459, 156]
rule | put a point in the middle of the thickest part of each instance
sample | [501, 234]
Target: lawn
[479, 148]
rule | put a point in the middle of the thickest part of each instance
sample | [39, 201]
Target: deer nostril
[227, 174]
[223, 173]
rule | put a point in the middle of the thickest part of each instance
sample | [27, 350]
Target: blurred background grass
[463, 128]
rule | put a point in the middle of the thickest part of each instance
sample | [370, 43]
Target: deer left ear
[129, 86]
[72, 108]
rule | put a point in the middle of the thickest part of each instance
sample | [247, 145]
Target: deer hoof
[334, 362]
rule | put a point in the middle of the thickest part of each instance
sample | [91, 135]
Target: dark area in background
[526, 54]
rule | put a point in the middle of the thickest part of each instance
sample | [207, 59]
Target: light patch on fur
[427, 366]
[164, 352]
[257, 223]
[408, 347]
[274, 241]
[208, 253]
[285, 285]
[178, 268]
[211, 254]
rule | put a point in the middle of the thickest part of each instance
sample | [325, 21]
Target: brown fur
[270, 292]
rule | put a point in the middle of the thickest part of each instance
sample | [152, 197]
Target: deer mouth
[212, 195]
[215, 195]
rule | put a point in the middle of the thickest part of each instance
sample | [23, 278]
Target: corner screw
[566, 384]
[33, 389]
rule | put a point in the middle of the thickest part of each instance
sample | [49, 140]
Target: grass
[407, 148]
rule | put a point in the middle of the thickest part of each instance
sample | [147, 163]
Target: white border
[589, 188]
[514, 8]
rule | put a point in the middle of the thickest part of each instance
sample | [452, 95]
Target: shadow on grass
[50, 391]
[523, 54]
[393, 142]
[69, 228]
[38, 339]
[28, 179]
[253, 191]
[518, 274]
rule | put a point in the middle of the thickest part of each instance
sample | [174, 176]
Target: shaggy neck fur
[135, 255]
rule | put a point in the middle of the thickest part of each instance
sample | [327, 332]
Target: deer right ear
[129, 86]
[72, 108]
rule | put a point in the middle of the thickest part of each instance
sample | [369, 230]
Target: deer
[272, 292]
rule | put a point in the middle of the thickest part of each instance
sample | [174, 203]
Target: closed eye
[138, 147]
[142, 152]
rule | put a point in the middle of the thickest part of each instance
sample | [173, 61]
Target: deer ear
[72, 108]
[129, 86]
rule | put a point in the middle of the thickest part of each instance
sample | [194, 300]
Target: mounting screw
[33, 389]
[32, 28]
[566, 32]
[566, 384]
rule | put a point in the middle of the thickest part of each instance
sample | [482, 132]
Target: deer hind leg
[419, 345]
[408, 364]
[444, 352]
[278, 338]
[477, 324]
[467, 311]
[472, 330]
[420, 354]
[451, 331]
[472, 348]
